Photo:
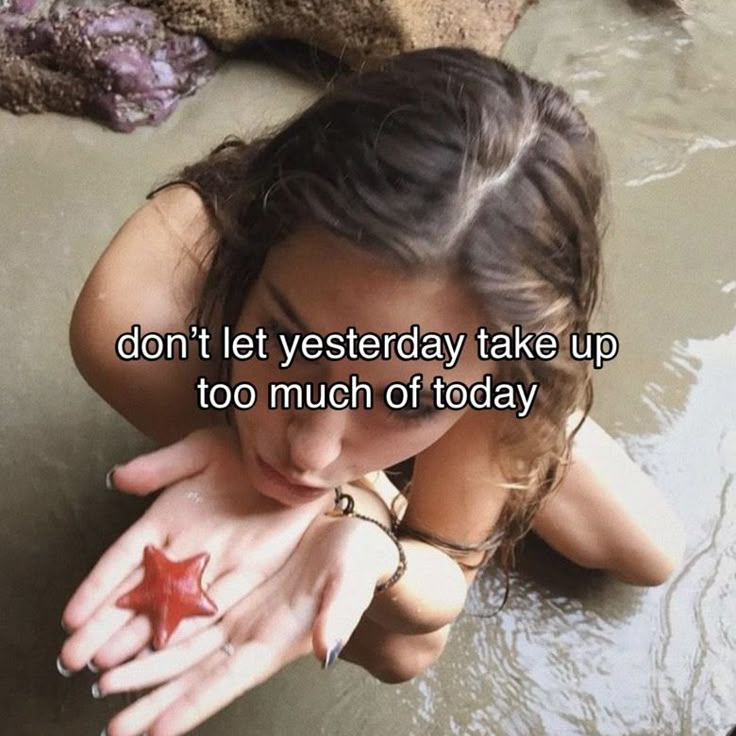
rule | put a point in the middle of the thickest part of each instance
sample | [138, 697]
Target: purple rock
[20, 7]
[125, 21]
[115, 62]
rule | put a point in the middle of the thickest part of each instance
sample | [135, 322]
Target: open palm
[208, 506]
[312, 603]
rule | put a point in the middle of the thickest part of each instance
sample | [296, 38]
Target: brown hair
[439, 157]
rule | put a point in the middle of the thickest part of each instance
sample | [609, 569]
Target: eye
[273, 328]
[421, 413]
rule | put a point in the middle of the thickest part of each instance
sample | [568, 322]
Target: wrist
[368, 502]
[381, 551]
[366, 532]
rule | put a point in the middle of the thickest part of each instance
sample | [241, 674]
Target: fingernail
[97, 694]
[63, 671]
[64, 627]
[92, 667]
[104, 732]
[332, 655]
[109, 482]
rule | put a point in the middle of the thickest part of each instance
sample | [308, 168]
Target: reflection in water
[660, 85]
[666, 398]
[697, 617]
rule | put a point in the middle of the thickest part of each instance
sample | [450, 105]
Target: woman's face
[315, 282]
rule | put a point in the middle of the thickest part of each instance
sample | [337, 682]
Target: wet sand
[573, 652]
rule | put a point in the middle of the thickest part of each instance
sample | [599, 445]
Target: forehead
[333, 285]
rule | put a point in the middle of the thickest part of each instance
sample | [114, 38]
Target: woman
[446, 190]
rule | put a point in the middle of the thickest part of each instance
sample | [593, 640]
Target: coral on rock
[107, 60]
[128, 65]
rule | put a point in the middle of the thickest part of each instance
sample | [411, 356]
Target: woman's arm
[456, 494]
[606, 514]
[609, 515]
[431, 593]
[149, 274]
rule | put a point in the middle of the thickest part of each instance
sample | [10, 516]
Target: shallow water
[572, 652]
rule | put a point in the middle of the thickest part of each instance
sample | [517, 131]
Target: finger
[344, 601]
[163, 665]
[226, 591]
[114, 566]
[125, 643]
[82, 646]
[138, 717]
[86, 642]
[155, 470]
[225, 678]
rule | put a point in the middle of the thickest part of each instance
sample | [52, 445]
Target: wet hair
[439, 158]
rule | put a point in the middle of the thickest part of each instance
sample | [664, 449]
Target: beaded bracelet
[456, 550]
[348, 510]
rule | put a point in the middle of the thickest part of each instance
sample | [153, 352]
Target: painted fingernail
[97, 694]
[109, 482]
[63, 671]
[332, 655]
[92, 667]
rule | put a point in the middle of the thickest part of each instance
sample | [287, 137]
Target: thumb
[344, 601]
[156, 470]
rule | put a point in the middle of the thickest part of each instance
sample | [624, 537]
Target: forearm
[431, 592]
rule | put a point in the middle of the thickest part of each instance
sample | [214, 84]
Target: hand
[313, 603]
[208, 506]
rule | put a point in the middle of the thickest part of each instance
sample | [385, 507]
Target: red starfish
[169, 592]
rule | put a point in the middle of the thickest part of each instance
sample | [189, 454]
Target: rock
[113, 62]
[129, 65]
[356, 31]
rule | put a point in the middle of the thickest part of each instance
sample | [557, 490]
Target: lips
[276, 478]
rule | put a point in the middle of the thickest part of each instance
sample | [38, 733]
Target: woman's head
[315, 282]
[441, 161]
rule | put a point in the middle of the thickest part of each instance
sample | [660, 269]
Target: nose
[316, 437]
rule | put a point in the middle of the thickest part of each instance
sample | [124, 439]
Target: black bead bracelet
[344, 506]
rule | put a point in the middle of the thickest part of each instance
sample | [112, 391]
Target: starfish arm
[169, 592]
[201, 605]
[139, 598]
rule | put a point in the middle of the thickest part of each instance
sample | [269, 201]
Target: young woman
[445, 190]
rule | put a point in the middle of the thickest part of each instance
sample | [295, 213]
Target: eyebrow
[286, 307]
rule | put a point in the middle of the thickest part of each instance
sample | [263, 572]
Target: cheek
[405, 441]
[258, 374]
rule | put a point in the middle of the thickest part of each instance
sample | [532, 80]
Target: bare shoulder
[160, 254]
[183, 213]
[150, 274]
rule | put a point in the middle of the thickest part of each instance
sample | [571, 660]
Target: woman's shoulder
[185, 215]
[163, 248]
[182, 194]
